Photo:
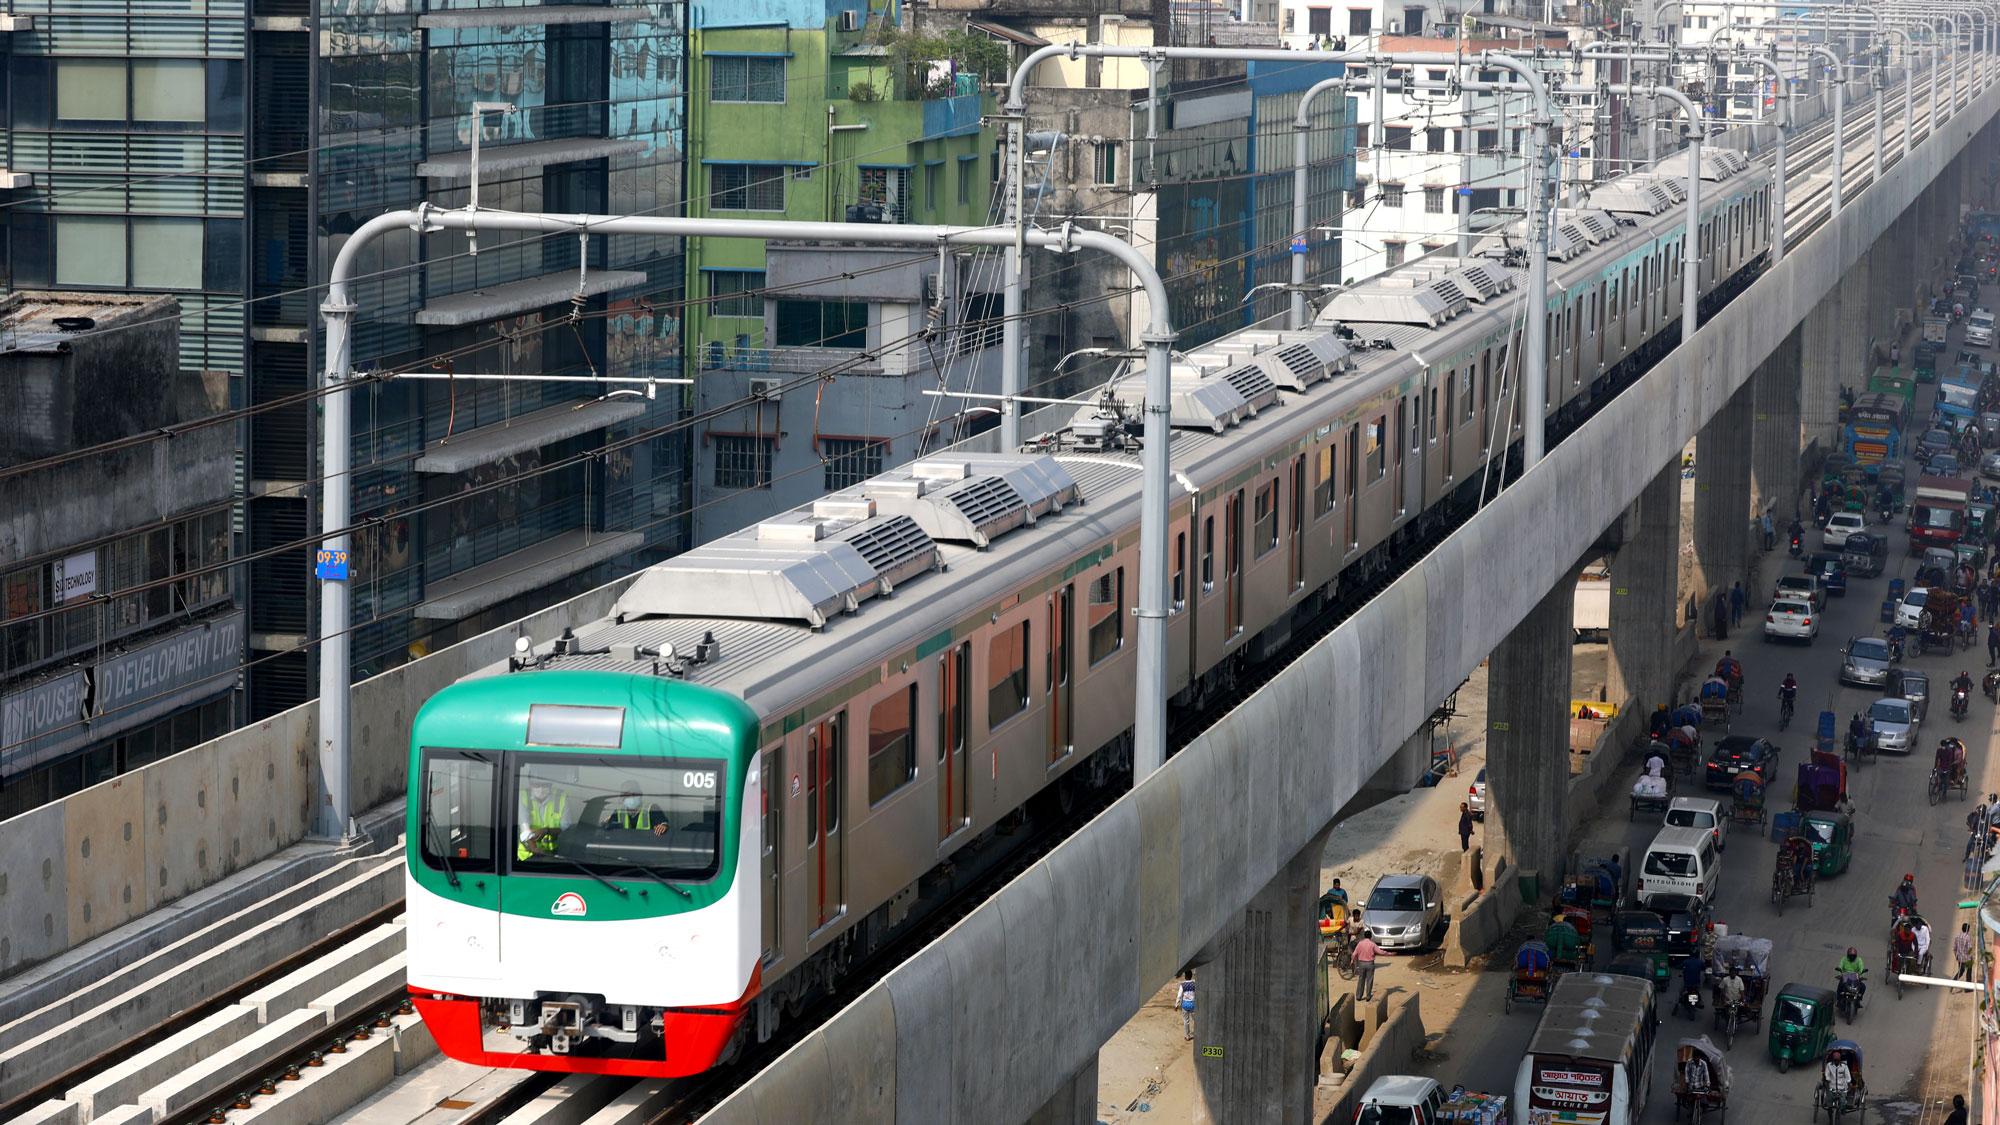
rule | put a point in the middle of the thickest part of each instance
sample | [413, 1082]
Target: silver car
[1895, 724]
[1404, 912]
[1989, 465]
[1915, 686]
[1865, 661]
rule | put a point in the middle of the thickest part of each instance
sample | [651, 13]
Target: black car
[1685, 915]
[1737, 753]
[1831, 570]
[1934, 442]
[1865, 555]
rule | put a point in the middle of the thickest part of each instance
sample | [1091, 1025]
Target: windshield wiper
[662, 880]
[622, 892]
[443, 854]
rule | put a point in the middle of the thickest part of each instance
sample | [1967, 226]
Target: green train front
[576, 900]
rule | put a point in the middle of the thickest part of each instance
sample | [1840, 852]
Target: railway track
[494, 1096]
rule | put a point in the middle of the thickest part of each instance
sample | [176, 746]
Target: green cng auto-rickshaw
[1644, 933]
[1832, 836]
[1801, 1024]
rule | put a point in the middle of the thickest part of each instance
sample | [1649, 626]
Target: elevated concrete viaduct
[1211, 857]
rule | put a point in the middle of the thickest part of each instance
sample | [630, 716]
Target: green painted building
[823, 111]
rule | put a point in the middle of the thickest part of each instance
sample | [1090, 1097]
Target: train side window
[1207, 554]
[1106, 615]
[892, 744]
[1323, 480]
[1006, 675]
[1264, 529]
[1432, 431]
[1180, 570]
[1376, 465]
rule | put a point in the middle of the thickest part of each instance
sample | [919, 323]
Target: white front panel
[453, 946]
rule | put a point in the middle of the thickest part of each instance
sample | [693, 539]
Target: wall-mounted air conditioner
[772, 389]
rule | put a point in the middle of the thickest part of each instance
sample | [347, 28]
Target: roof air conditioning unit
[850, 19]
[933, 287]
[1395, 27]
[772, 389]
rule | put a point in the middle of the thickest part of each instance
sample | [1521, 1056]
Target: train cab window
[1208, 554]
[1264, 528]
[611, 814]
[1106, 614]
[1376, 465]
[1006, 675]
[892, 744]
[457, 814]
[1323, 464]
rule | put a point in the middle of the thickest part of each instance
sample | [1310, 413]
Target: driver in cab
[632, 814]
[544, 814]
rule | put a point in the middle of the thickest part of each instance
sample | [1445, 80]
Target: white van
[1979, 328]
[1680, 861]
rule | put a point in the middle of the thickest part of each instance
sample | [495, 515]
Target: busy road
[1916, 1046]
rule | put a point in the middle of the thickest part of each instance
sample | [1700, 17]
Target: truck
[1935, 328]
[1590, 1059]
[1409, 1099]
[1937, 514]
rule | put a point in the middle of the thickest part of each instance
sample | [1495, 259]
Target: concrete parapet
[299, 988]
[636, 1106]
[414, 1044]
[123, 1083]
[1387, 1051]
[1479, 924]
[209, 973]
[214, 1076]
[129, 1115]
[363, 992]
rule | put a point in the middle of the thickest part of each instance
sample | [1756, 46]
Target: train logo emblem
[569, 905]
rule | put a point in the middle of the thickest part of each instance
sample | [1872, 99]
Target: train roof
[799, 601]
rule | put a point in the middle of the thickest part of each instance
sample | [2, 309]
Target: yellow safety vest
[542, 815]
[642, 818]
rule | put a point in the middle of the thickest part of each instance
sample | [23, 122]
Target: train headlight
[628, 1018]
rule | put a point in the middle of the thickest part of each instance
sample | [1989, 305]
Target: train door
[1232, 564]
[1353, 471]
[954, 803]
[1397, 440]
[1062, 626]
[1298, 569]
[825, 759]
[771, 775]
[1451, 421]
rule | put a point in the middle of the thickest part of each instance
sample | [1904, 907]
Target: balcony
[530, 568]
[533, 430]
[789, 361]
[495, 159]
[531, 15]
[477, 306]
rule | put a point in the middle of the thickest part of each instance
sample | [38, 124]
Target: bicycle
[1785, 709]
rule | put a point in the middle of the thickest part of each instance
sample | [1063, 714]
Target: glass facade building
[224, 153]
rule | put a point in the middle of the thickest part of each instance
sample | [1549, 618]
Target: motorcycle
[1848, 1000]
[1990, 684]
[1689, 1003]
[1798, 544]
[1958, 703]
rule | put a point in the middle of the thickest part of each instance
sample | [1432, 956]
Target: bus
[1590, 1060]
[1958, 393]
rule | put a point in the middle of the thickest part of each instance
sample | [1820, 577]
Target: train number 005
[695, 780]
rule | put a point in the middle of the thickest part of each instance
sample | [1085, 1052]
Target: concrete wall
[95, 860]
[1134, 896]
[1398, 1032]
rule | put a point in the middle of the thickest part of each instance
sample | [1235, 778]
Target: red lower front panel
[694, 1040]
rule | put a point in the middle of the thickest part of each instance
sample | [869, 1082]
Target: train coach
[635, 848]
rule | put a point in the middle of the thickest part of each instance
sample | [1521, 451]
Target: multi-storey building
[811, 359]
[224, 152]
[120, 636]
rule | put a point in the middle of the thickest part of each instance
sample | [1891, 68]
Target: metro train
[634, 848]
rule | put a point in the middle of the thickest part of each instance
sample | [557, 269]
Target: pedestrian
[1184, 1000]
[1957, 1114]
[1720, 612]
[1464, 827]
[1961, 950]
[1767, 529]
[1365, 952]
[1993, 643]
[1736, 604]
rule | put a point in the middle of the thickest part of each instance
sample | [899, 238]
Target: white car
[1791, 619]
[1842, 525]
[1895, 723]
[1697, 812]
[1979, 328]
[1910, 610]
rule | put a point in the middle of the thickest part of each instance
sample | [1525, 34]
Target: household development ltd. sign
[42, 722]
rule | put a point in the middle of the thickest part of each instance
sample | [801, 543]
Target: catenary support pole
[337, 311]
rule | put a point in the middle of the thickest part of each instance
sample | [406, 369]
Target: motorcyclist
[1852, 964]
[1961, 694]
[1897, 635]
[1963, 682]
[1798, 535]
[1692, 970]
[1660, 722]
[1904, 898]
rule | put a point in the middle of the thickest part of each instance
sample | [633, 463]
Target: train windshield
[617, 816]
